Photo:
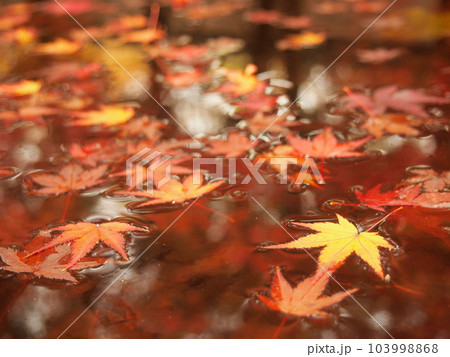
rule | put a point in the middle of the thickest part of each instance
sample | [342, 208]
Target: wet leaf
[107, 116]
[84, 236]
[340, 240]
[304, 40]
[235, 145]
[68, 178]
[21, 88]
[50, 267]
[391, 97]
[325, 145]
[174, 191]
[305, 299]
[60, 46]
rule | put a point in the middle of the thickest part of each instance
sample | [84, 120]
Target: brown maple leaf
[70, 177]
[50, 267]
[174, 191]
[325, 145]
[428, 179]
[394, 123]
[84, 236]
[305, 299]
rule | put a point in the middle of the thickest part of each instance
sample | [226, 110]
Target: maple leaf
[143, 126]
[143, 36]
[393, 123]
[428, 179]
[22, 35]
[375, 199]
[84, 236]
[239, 83]
[295, 22]
[390, 97]
[70, 177]
[305, 299]
[187, 78]
[325, 145]
[234, 146]
[269, 17]
[174, 191]
[433, 200]
[49, 268]
[60, 46]
[304, 40]
[273, 124]
[21, 88]
[94, 153]
[186, 54]
[340, 240]
[378, 55]
[107, 116]
[257, 100]
[154, 171]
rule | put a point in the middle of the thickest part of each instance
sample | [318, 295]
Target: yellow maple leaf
[339, 241]
[60, 46]
[21, 88]
[306, 39]
[108, 115]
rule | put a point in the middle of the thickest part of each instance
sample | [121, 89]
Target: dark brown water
[199, 279]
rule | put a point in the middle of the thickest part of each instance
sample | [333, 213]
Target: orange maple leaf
[340, 240]
[307, 39]
[84, 236]
[21, 88]
[60, 46]
[325, 145]
[107, 116]
[305, 299]
[70, 177]
[234, 146]
[174, 191]
[240, 83]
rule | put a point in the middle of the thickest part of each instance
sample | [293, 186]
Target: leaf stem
[280, 327]
[382, 219]
[361, 104]
[66, 206]
[212, 210]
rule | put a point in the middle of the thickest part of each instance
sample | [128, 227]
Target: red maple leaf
[84, 236]
[70, 177]
[375, 199]
[325, 145]
[50, 267]
[391, 97]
